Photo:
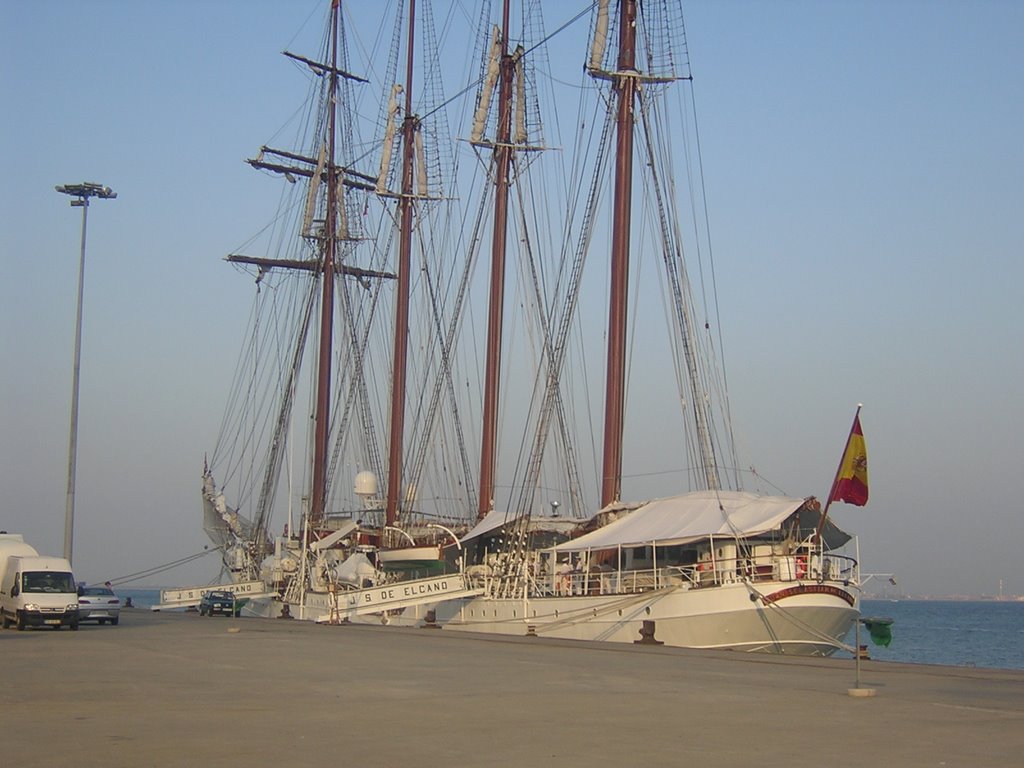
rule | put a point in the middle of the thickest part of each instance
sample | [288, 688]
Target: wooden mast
[502, 162]
[625, 85]
[317, 511]
[399, 364]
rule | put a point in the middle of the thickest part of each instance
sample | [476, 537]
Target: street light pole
[82, 193]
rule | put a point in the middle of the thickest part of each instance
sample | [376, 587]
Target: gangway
[189, 597]
[347, 604]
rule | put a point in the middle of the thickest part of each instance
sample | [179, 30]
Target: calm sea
[141, 598]
[959, 633]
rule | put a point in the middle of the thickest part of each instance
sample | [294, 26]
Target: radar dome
[366, 484]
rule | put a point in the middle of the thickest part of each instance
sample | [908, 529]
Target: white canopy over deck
[694, 516]
[495, 519]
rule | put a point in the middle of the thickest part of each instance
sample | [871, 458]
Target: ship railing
[798, 566]
[608, 581]
[794, 568]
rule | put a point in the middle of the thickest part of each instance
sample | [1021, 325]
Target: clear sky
[864, 167]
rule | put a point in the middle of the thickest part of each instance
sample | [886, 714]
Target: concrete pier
[174, 689]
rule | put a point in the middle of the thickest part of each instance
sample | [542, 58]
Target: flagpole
[839, 469]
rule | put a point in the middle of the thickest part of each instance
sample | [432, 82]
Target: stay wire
[128, 578]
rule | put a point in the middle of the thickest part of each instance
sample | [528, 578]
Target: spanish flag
[851, 483]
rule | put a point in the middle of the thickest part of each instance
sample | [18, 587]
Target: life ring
[801, 566]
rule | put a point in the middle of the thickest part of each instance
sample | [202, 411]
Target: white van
[35, 590]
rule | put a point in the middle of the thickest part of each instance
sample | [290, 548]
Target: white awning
[689, 517]
[493, 520]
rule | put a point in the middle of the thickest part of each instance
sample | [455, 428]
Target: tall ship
[712, 567]
[490, 267]
[351, 326]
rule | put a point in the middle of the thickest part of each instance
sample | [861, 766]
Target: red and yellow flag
[851, 484]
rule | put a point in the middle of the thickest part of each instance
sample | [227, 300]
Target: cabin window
[672, 553]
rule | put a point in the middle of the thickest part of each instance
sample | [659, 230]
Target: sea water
[959, 633]
[141, 598]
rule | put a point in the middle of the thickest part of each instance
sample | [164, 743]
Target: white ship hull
[797, 619]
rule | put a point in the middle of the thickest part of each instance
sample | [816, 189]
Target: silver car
[98, 604]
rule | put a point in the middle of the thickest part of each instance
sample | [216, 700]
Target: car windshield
[97, 592]
[47, 581]
[220, 595]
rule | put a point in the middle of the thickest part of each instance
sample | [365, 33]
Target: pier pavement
[177, 689]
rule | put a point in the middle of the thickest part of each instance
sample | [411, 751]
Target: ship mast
[399, 364]
[317, 511]
[626, 88]
[502, 161]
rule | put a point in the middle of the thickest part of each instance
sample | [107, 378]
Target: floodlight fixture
[85, 190]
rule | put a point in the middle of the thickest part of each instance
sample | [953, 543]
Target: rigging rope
[130, 577]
